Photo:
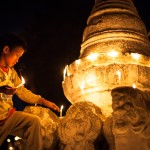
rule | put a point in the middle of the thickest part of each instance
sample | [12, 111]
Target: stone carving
[50, 123]
[130, 123]
[107, 131]
[81, 126]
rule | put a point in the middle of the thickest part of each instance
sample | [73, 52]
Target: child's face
[12, 57]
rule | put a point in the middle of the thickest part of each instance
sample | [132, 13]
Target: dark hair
[12, 40]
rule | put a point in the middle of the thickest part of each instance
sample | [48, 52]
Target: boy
[14, 122]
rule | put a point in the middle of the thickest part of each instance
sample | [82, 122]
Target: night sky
[54, 32]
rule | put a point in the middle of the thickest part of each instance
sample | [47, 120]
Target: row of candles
[94, 56]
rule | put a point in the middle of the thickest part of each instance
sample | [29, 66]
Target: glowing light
[17, 138]
[65, 71]
[135, 55]
[22, 83]
[134, 86]
[8, 140]
[82, 87]
[11, 148]
[78, 61]
[92, 56]
[61, 108]
[119, 75]
[91, 79]
[113, 54]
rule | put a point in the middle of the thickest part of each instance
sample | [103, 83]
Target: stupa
[115, 52]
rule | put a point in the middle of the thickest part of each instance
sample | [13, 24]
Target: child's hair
[12, 41]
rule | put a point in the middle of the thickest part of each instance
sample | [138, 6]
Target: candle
[119, 75]
[134, 86]
[77, 63]
[65, 71]
[93, 56]
[113, 54]
[135, 56]
[61, 108]
[22, 83]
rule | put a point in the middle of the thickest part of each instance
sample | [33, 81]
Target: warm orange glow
[78, 61]
[135, 56]
[22, 83]
[113, 53]
[65, 71]
[61, 108]
[92, 56]
[91, 79]
[134, 86]
[119, 75]
[82, 87]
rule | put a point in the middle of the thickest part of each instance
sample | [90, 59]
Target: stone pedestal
[81, 127]
[49, 122]
[129, 126]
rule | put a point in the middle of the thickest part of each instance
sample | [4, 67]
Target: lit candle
[65, 71]
[61, 108]
[77, 63]
[134, 86]
[93, 56]
[113, 54]
[22, 83]
[16, 138]
[135, 56]
[119, 75]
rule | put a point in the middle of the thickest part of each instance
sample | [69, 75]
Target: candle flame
[135, 55]
[22, 83]
[78, 61]
[23, 80]
[65, 71]
[134, 86]
[92, 56]
[61, 108]
[119, 74]
[113, 53]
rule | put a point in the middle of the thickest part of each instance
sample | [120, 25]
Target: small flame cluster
[93, 56]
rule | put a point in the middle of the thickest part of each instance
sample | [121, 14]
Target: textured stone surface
[108, 134]
[129, 127]
[49, 122]
[81, 127]
[113, 25]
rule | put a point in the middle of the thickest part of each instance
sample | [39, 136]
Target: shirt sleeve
[23, 93]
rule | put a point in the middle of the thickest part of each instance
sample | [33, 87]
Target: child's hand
[7, 90]
[52, 105]
[49, 104]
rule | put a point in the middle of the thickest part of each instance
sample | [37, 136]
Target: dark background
[53, 30]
